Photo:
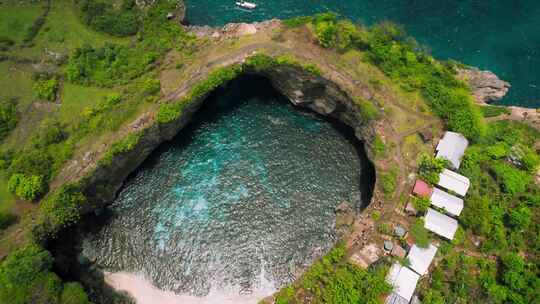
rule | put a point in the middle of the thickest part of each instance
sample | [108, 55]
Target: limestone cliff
[301, 87]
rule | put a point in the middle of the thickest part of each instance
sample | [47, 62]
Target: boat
[246, 5]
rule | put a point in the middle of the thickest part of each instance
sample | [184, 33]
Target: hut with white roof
[420, 258]
[404, 281]
[452, 204]
[440, 224]
[452, 147]
[452, 181]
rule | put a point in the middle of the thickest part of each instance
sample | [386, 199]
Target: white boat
[246, 5]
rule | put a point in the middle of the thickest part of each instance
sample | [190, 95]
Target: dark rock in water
[485, 85]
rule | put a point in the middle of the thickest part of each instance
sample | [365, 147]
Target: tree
[429, 168]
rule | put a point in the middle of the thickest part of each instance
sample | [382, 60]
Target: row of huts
[446, 200]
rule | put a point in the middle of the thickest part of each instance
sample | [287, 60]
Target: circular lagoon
[237, 205]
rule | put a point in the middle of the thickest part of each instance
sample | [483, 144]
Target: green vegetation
[333, 280]
[261, 62]
[27, 187]
[388, 182]
[218, 77]
[58, 211]
[421, 204]
[103, 16]
[17, 22]
[115, 64]
[502, 211]
[404, 61]
[379, 148]
[493, 111]
[368, 111]
[46, 89]
[125, 145]
[26, 277]
[420, 234]
[429, 168]
[8, 118]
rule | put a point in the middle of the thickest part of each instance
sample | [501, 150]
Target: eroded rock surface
[485, 85]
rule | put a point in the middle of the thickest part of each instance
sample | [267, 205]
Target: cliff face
[301, 87]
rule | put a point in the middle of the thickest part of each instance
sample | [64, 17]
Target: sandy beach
[144, 292]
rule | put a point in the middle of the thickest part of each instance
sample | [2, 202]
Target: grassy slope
[61, 33]
[16, 18]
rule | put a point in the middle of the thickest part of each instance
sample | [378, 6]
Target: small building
[451, 203]
[440, 224]
[422, 189]
[452, 181]
[404, 282]
[452, 147]
[420, 258]
[399, 231]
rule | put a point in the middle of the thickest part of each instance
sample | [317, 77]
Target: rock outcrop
[233, 30]
[485, 85]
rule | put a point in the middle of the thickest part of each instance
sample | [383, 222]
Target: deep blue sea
[498, 35]
[242, 199]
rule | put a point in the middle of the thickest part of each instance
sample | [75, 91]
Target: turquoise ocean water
[241, 199]
[499, 35]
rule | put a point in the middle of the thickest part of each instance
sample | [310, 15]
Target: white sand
[145, 293]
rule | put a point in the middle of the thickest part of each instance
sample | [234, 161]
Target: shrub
[46, 89]
[8, 118]
[379, 148]
[420, 233]
[389, 182]
[260, 62]
[421, 204]
[511, 180]
[32, 162]
[429, 168]
[169, 112]
[58, 211]
[27, 187]
[50, 132]
[125, 145]
[367, 110]
[151, 86]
